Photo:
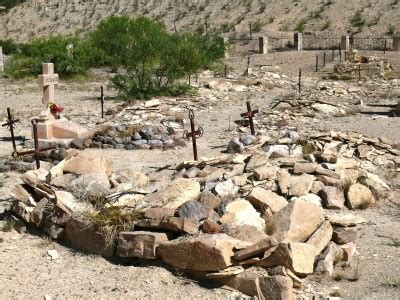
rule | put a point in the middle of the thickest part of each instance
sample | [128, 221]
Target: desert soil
[25, 268]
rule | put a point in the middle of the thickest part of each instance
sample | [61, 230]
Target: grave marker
[11, 125]
[194, 134]
[298, 41]
[250, 114]
[1, 60]
[47, 81]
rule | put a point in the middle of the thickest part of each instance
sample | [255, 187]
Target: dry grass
[109, 222]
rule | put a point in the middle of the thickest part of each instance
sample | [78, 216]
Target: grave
[51, 128]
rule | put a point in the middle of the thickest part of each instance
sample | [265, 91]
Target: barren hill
[370, 17]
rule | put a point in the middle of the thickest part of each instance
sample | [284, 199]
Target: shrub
[358, 20]
[9, 47]
[10, 3]
[391, 30]
[300, 26]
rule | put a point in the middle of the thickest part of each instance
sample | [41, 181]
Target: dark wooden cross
[37, 149]
[194, 134]
[10, 124]
[102, 102]
[299, 81]
[250, 114]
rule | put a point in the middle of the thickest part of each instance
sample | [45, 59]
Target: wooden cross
[37, 149]
[194, 134]
[10, 124]
[250, 114]
[47, 81]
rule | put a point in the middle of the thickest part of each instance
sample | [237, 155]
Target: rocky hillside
[370, 17]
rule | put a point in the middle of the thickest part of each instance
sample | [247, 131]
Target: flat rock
[266, 172]
[84, 163]
[321, 237]
[207, 252]
[193, 210]
[346, 220]
[256, 249]
[289, 224]
[159, 213]
[241, 212]
[300, 185]
[178, 192]
[255, 161]
[209, 200]
[326, 261]
[246, 233]
[173, 224]
[304, 168]
[235, 146]
[262, 198]
[310, 198]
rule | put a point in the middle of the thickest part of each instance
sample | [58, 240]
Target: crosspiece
[37, 149]
[194, 134]
[250, 114]
[11, 125]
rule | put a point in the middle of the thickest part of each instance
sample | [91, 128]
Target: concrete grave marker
[48, 127]
[47, 81]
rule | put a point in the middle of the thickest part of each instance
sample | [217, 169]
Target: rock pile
[259, 221]
[131, 137]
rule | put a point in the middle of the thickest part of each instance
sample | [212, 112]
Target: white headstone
[47, 81]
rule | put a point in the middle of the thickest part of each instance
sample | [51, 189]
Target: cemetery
[221, 169]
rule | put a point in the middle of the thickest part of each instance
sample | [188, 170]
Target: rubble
[255, 221]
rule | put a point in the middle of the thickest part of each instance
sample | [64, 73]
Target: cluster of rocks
[259, 221]
[367, 66]
[131, 137]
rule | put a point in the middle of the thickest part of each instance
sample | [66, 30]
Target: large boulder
[296, 221]
[84, 163]
[141, 244]
[332, 197]
[360, 196]
[207, 252]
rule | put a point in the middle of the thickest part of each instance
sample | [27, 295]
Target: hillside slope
[41, 18]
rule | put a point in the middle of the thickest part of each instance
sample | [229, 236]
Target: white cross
[47, 81]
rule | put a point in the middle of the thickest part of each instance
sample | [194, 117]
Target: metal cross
[10, 124]
[37, 149]
[250, 114]
[299, 84]
[194, 134]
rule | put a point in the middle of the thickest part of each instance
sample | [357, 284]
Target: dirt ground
[25, 267]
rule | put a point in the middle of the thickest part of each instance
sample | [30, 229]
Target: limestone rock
[246, 233]
[256, 249]
[276, 288]
[193, 210]
[82, 236]
[321, 237]
[360, 196]
[226, 188]
[332, 197]
[38, 214]
[138, 179]
[20, 193]
[207, 252]
[326, 261]
[68, 203]
[159, 213]
[241, 212]
[63, 181]
[255, 161]
[141, 244]
[262, 198]
[266, 172]
[300, 185]
[344, 235]
[298, 257]
[173, 224]
[290, 223]
[91, 185]
[84, 163]
[346, 220]
[179, 192]
[304, 168]
[209, 200]
[22, 210]
[283, 181]
[235, 146]
[210, 226]
[310, 198]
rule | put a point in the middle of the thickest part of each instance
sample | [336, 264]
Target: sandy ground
[25, 268]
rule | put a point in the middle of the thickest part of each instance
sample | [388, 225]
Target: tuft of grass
[8, 225]
[110, 221]
[394, 242]
[391, 282]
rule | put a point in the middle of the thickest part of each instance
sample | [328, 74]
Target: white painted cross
[47, 81]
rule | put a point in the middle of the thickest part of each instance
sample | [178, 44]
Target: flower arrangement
[56, 109]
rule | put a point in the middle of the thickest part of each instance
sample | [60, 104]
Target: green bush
[358, 20]
[9, 47]
[10, 3]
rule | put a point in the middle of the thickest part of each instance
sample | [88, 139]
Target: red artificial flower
[56, 109]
